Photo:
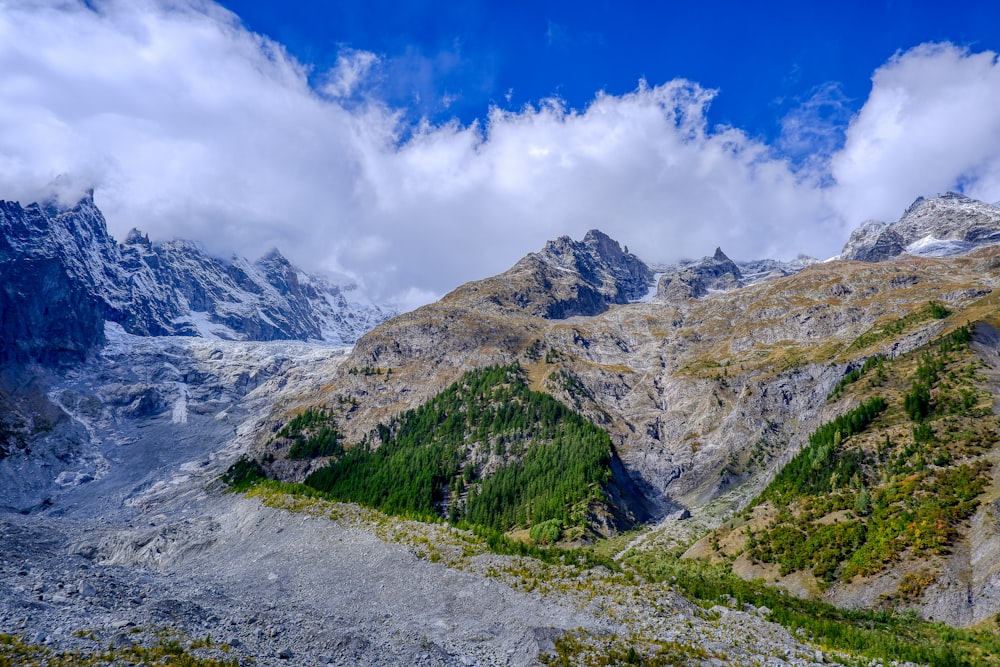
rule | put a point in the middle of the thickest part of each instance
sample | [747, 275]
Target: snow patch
[180, 411]
[207, 328]
[651, 292]
[934, 247]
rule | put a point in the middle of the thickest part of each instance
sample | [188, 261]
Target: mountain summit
[949, 224]
[564, 279]
[65, 276]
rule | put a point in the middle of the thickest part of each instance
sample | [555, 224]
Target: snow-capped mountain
[950, 224]
[64, 276]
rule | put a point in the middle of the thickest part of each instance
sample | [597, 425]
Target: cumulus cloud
[188, 125]
[930, 124]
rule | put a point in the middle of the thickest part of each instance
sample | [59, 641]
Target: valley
[553, 465]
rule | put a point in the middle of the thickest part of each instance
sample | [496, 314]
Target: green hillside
[487, 450]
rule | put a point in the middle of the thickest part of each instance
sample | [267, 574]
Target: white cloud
[353, 66]
[188, 125]
[930, 124]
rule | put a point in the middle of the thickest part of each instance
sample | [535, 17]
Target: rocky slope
[705, 398]
[65, 276]
[695, 280]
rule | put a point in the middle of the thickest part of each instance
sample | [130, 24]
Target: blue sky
[455, 59]
[414, 146]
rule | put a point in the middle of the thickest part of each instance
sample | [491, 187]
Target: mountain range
[58, 260]
[708, 387]
[133, 375]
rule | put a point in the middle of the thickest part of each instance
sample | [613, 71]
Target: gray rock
[696, 279]
[62, 260]
[938, 226]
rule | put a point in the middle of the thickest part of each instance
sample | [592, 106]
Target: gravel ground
[127, 538]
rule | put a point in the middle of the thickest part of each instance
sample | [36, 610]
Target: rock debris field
[126, 538]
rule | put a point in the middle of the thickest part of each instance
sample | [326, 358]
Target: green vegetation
[874, 634]
[243, 474]
[368, 371]
[545, 461]
[571, 384]
[932, 311]
[876, 363]
[546, 532]
[534, 351]
[850, 507]
[168, 648]
[824, 465]
[313, 433]
[574, 648]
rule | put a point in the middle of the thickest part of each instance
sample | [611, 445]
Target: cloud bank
[188, 125]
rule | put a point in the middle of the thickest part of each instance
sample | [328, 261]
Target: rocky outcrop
[564, 279]
[873, 241]
[940, 226]
[49, 311]
[697, 279]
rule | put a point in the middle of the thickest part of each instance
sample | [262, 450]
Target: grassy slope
[896, 491]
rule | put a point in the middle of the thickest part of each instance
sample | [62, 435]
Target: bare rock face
[873, 241]
[48, 309]
[566, 278]
[695, 280]
[64, 276]
[936, 227]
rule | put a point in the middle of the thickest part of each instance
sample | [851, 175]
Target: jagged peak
[954, 195]
[912, 207]
[949, 197]
[136, 237]
[273, 255]
[720, 256]
[598, 236]
[59, 203]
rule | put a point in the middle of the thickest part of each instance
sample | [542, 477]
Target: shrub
[243, 473]
[546, 532]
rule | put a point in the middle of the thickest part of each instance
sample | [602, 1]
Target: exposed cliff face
[48, 309]
[873, 241]
[695, 280]
[64, 276]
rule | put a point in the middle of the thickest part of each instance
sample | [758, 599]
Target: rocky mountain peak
[590, 275]
[59, 259]
[694, 280]
[136, 237]
[947, 224]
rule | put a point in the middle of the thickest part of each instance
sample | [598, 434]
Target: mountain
[830, 427]
[696, 279]
[564, 279]
[706, 392]
[940, 226]
[62, 261]
[718, 273]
